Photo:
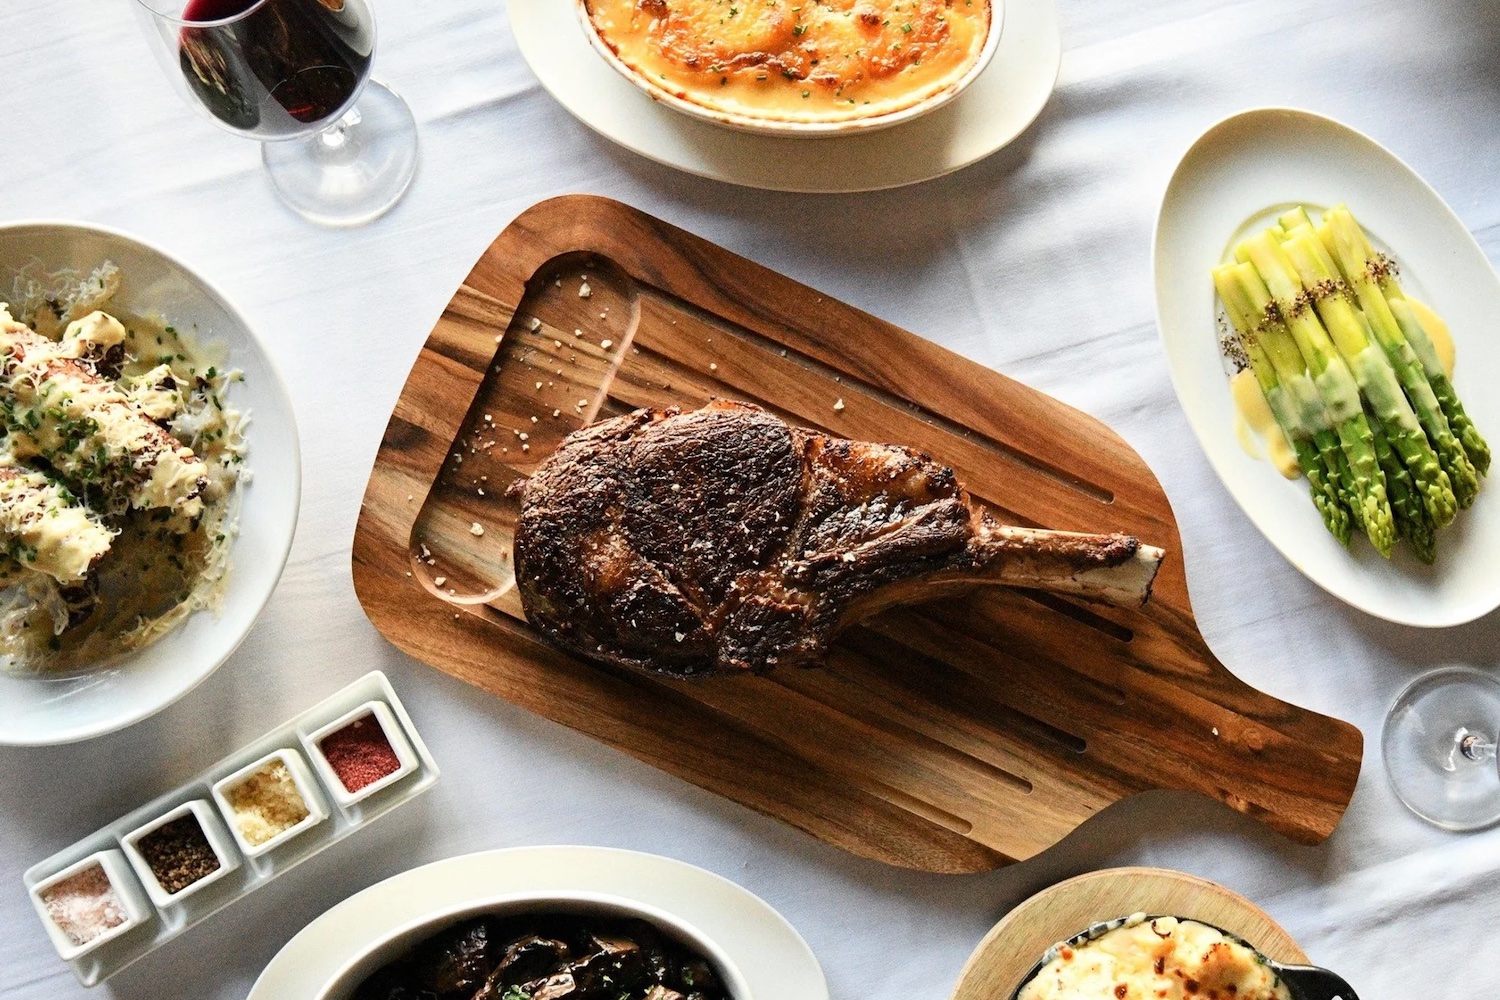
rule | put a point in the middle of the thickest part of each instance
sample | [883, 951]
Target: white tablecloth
[1035, 262]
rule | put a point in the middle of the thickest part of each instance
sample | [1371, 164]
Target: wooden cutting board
[1011, 950]
[953, 737]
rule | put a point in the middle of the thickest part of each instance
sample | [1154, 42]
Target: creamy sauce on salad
[163, 563]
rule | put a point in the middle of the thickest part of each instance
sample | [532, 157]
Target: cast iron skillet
[1305, 982]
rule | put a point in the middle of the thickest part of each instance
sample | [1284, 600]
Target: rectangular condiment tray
[163, 923]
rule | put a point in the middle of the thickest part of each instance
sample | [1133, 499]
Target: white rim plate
[991, 112]
[43, 711]
[775, 961]
[1270, 156]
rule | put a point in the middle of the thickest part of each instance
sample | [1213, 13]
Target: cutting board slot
[550, 375]
[805, 390]
[984, 692]
[1080, 614]
[955, 735]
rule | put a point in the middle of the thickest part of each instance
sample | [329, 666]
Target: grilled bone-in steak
[725, 540]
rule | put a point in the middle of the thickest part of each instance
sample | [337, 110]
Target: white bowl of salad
[149, 480]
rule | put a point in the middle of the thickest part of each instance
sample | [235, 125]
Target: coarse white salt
[476, 529]
[84, 905]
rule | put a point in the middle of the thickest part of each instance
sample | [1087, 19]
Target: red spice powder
[360, 753]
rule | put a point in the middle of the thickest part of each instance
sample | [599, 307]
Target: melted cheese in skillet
[797, 60]
[1157, 959]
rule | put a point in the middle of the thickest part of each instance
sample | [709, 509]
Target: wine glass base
[1424, 742]
[354, 171]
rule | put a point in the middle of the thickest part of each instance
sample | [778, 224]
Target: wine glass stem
[1470, 747]
[337, 134]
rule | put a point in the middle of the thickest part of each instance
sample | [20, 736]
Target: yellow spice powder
[266, 803]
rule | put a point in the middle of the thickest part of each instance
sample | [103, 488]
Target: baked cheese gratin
[1156, 958]
[796, 60]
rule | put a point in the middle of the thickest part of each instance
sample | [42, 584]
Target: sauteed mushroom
[546, 957]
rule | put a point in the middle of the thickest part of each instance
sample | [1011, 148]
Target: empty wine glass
[1439, 746]
[289, 73]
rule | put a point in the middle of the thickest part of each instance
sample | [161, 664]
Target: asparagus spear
[1475, 446]
[1463, 428]
[1373, 371]
[1346, 240]
[1335, 384]
[1292, 218]
[1412, 521]
[1289, 417]
[1286, 357]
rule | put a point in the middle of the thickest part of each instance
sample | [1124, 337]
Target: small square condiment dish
[133, 901]
[302, 779]
[213, 831]
[381, 715]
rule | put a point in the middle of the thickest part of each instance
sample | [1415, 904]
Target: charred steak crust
[726, 540]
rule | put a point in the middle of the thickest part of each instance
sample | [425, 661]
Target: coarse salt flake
[476, 529]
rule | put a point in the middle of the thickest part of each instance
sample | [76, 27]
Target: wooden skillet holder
[956, 736]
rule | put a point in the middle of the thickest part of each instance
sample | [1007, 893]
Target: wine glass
[289, 72]
[1439, 746]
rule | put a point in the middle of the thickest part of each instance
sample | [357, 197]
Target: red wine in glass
[288, 72]
[284, 68]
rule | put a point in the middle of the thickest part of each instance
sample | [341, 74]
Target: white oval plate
[776, 963]
[990, 113]
[1232, 173]
[40, 711]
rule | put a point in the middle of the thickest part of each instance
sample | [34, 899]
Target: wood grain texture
[955, 736]
[1013, 947]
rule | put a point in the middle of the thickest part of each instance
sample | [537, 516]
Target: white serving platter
[37, 711]
[250, 873]
[991, 112]
[1232, 174]
[775, 961]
